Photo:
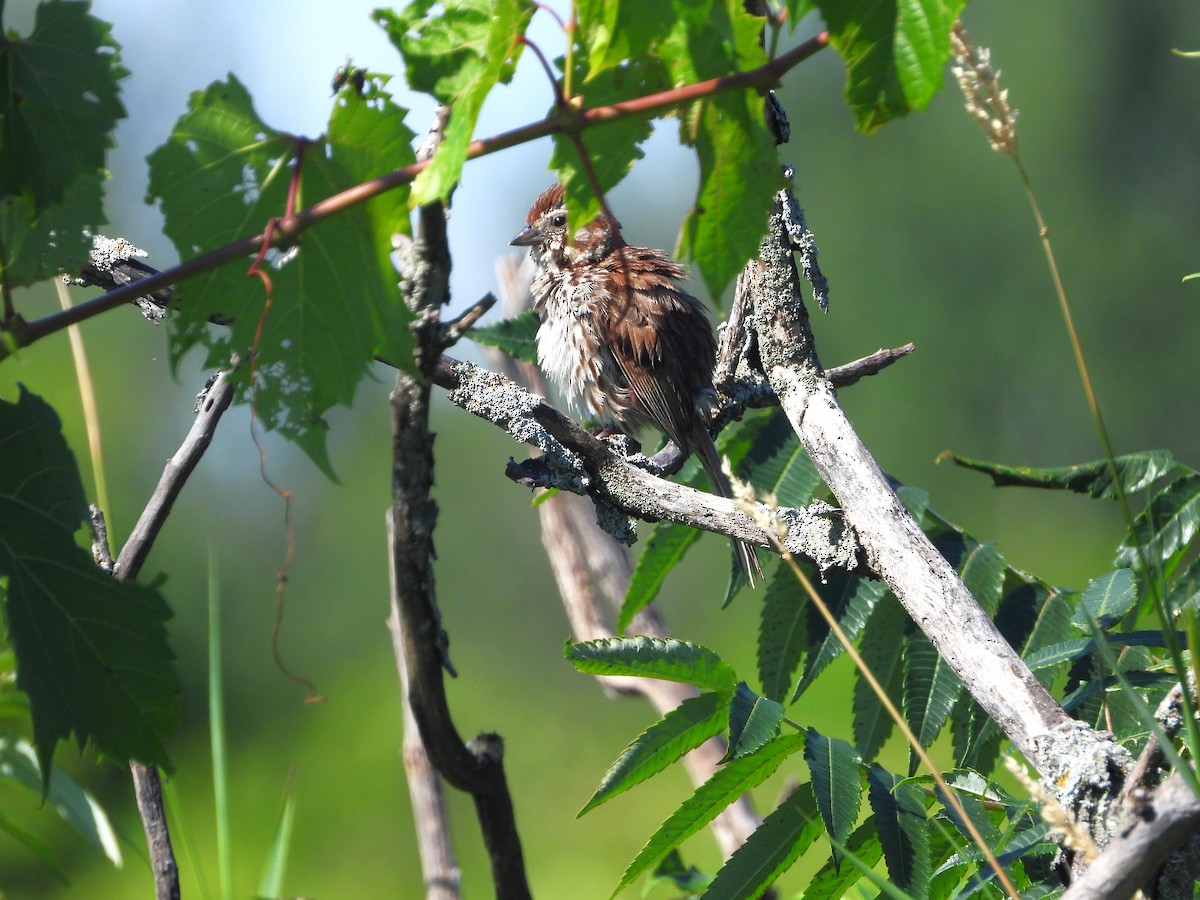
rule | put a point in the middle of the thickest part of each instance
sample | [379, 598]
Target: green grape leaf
[836, 781]
[708, 800]
[224, 174]
[516, 336]
[91, 651]
[457, 53]
[58, 103]
[782, 632]
[681, 730]
[665, 658]
[894, 53]
[616, 31]
[770, 851]
[753, 721]
[612, 148]
[739, 175]
[1135, 471]
[34, 248]
[903, 829]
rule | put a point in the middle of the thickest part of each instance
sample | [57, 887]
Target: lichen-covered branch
[575, 461]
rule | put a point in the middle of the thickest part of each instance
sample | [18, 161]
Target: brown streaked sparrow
[619, 337]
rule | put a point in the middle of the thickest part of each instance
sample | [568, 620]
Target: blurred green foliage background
[925, 235]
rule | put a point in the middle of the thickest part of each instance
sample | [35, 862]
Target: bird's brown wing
[656, 321]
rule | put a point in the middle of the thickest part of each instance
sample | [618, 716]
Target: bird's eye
[559, 220]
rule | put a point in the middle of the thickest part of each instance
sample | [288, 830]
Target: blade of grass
[216, 718]
[183, 835]
[87, 398]
[273, 874]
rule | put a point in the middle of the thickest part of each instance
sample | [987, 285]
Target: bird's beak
[527, 238]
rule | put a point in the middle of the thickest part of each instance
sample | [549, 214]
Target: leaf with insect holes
[222, 175]
[36, 247]
[739, 171]
[739, 174]
[895, 53]
[58, 103]
[456, 52]
[91, 651]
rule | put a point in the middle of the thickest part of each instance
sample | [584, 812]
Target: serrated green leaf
[688, 879]
[782, 633]
[1165, 527]
[770, 851]
[1135, 470]
[368, 136]
[753, 721]
[881, 651]
[836, 781]
[894, 53]
[739, 175]
[1183, 593]
[668, 543]
[457, 53]
[708, 800]
[516, 336]
[681, 730]
[223, 174]
[615, 31]
[665, 658]
[58, 103]
[35, 248]
[930, 691]
[1106, 600]
[612, 148]
[833, 881]
[903, 829]
[77, 807]
[851, 600]
[775, 462]
[91, 651]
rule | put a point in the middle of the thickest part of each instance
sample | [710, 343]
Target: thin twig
[439, 867]
[212, 404]
[290, 228]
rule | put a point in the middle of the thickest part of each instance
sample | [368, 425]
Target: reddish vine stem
[292, 226]
[301, 144]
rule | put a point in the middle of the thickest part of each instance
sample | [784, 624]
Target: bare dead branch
[439, 867]
[476, 768]
[895, 546]
[212, 403]
[1170, 819]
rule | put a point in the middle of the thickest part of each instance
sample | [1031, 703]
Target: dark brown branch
[476, 768]
[439, 867]
[213, 402]
[215, 399]
[289, 228]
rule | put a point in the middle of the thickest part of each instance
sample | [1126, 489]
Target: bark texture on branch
[894, 545]
[476, 767]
